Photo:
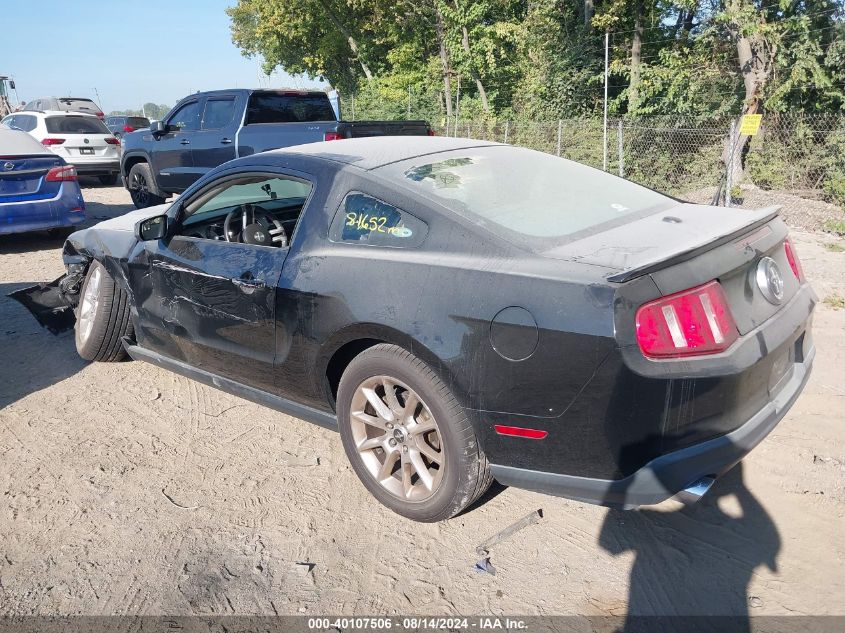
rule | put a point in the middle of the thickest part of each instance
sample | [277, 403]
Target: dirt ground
[129, 490]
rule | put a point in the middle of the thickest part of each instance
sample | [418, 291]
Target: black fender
[368, 334]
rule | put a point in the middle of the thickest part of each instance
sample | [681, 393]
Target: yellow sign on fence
[750, 124]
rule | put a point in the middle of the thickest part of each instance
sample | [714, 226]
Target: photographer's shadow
[694, 561]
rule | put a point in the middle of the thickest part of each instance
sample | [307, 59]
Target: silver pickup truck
[207, 129]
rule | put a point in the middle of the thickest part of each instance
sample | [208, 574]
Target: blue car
[38, 189]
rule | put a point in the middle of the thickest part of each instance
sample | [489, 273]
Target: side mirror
[158, 128]
[151, 229]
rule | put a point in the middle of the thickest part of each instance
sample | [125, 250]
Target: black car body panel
[541, 341]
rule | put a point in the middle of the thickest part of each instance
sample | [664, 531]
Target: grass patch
[834, 248]
[837, 227]
[835, 301]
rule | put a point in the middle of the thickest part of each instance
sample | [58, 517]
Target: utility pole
[457, 106]
[606, 65]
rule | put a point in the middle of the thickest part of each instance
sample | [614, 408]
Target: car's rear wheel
[108, 179]
[102, 318]
[142, 187]
[407, 437]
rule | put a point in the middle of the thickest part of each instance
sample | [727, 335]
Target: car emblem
[769, 280]
[8, 166]
[86, 140]
[259, 236]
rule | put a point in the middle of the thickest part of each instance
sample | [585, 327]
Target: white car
[83, 140]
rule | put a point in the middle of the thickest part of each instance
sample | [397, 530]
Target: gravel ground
[130, 490]
[800, 213]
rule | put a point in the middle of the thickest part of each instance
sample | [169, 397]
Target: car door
[214, 143]
[171, 154]
[212, 301]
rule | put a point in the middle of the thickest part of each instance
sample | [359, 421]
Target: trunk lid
[690, 245]
[22, 178]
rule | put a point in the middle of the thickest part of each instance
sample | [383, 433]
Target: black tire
[467, 474]
[108, 180]
[111, 321]
[142, 187]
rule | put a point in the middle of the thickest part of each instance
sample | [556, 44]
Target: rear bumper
[67, 209]
[99, 168]
[665, 476]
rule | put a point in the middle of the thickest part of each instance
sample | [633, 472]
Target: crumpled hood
[127, 221]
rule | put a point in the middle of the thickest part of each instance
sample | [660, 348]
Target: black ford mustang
[461, 311]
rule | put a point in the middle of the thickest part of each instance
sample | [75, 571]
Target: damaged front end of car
[53, 304]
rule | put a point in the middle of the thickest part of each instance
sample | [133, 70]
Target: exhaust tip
[692, 493]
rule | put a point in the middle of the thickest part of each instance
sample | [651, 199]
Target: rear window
[271, 107]
[85, 105]
[525, 196]
[75, 125]
[137, 121]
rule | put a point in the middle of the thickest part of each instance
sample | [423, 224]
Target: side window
[362, 219]
[218, 113]
[186, 118]
[12, 122]
[25, 122]
[255, 204]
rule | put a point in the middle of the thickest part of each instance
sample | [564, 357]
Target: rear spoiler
[764, 216]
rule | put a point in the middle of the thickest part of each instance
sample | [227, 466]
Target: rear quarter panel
[438, 300]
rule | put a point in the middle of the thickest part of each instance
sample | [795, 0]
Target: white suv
[81, 139]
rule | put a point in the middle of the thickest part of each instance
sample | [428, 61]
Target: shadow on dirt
[33, 358]
[696, 561]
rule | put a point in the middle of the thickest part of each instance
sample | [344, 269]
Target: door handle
[225, 141]
[247, 284]
[184, 141]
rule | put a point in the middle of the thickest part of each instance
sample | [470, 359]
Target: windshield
[75, 125]
[526, 196]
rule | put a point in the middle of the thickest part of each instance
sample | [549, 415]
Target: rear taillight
[431, 132]
[792, 258]
[61, 174]
[128, 128]
[52, 141]
[332, 136]
[688, 323]
[99, 115]
[112, 140]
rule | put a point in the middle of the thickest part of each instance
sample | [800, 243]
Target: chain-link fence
[796, 161]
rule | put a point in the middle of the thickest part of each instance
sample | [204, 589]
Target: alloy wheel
[139, 188]
[90, 301]
[397, 438]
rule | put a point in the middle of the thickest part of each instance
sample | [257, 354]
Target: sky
[127, 52]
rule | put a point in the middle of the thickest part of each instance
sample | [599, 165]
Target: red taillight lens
[792, 258]
[112, 140]
[52, 141]
[61, 174]
[100, 115]
[128, 128]
[431, 132]
[689, 323]
[332, 136]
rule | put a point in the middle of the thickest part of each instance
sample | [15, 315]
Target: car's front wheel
[407, 437]
[142, 187]
[102, 318]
